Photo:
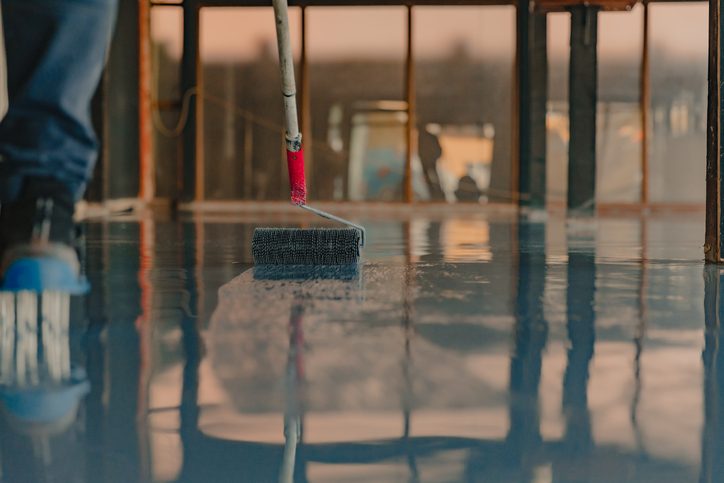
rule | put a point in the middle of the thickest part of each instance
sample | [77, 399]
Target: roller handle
[295, 153]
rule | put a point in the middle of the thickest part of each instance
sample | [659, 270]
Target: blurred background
[353, 81]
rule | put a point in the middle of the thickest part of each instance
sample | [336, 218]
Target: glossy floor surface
[471, 348]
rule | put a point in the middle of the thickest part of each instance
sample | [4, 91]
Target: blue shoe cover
[43, 273]
[44, 405]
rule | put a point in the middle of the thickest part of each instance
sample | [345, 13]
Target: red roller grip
[297, 182]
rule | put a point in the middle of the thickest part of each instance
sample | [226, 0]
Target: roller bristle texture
[295, 246]
[307, 272]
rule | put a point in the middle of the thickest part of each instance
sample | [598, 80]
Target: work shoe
[37, 235]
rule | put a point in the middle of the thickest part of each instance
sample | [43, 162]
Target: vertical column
[645, 100]
[582, 97]
[147, 175]
[121, 103]
[191, 185]
[713, 239]
[532, 99]
[411, 114]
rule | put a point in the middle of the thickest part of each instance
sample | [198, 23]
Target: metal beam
[532, 101]
[582, 97]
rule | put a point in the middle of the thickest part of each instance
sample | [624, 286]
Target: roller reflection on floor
[349, 334]
[336, 282]
[248, 336]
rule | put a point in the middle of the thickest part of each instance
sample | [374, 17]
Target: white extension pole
[286, 63]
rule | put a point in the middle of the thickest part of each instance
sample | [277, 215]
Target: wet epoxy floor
[472, 348]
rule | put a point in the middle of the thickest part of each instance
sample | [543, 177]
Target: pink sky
[236, 33]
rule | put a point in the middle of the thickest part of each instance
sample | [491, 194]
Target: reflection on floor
[470, 348]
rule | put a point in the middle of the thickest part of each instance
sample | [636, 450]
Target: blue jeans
[56, 50]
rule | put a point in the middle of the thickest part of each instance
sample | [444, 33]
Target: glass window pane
[559, 40]
[166, 41]
[618, 137]
[679, 46]
[464, 78]
[243, 119]
[356, 72]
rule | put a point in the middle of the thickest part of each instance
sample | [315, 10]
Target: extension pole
[295, 153]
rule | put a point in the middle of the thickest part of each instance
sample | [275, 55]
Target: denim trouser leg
[55, 52]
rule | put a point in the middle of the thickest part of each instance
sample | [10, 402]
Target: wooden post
[411, 114]
[712, 243]
[582, 95]
[532, 105]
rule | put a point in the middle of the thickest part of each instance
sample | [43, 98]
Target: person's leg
[55, 53]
